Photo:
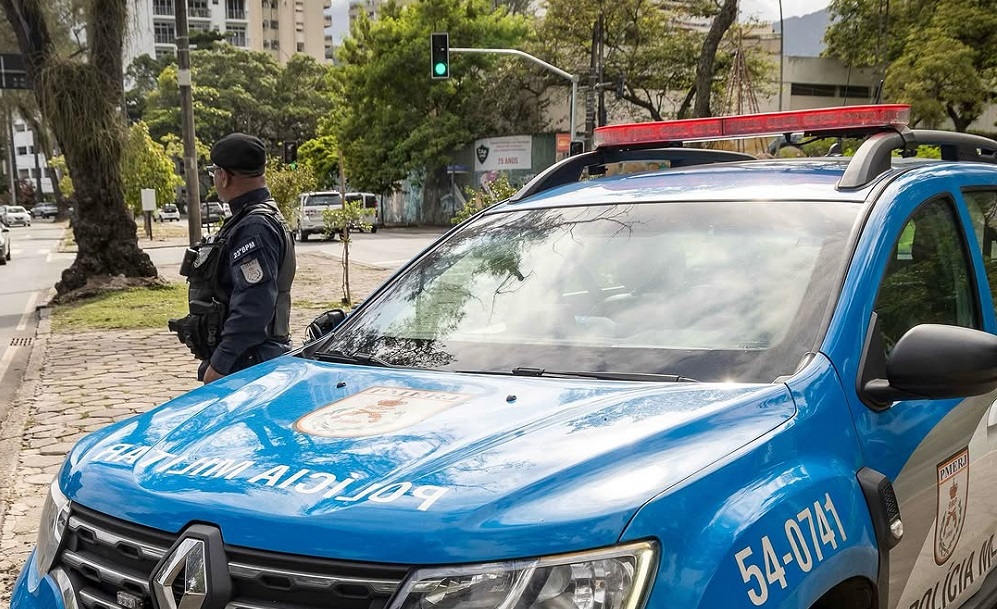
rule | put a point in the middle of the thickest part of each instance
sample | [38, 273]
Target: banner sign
[498, 153]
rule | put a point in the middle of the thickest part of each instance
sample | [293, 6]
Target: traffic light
[290, 152]
[439, 43]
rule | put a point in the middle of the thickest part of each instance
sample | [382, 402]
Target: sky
[768, 10]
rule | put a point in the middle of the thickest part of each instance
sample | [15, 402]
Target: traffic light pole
[537, 60]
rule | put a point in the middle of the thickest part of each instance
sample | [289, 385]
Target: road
[34, 267]
[387, 248]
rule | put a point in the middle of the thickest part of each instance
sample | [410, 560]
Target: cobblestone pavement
[78, 383]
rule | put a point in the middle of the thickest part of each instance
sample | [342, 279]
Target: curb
[12, 428]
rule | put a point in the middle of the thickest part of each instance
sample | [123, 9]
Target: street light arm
[536, 60]
[572, 77]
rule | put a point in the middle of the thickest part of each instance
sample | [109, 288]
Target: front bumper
[19, 221]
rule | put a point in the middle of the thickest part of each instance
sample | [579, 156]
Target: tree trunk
[80, 101]
[437, 185]
[704, 69]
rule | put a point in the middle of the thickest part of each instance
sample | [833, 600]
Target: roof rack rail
[874, 156]
[570, 170]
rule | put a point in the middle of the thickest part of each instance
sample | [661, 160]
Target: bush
[477, 200]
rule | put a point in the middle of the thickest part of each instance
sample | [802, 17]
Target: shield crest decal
[953, 492]
[482, 152]
[375, 411]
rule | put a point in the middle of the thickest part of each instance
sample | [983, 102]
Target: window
[164, 8]
[927, 278]
[236, 35]
[235, 9]
[855, 92]
[813, 90]
[164, 32]
[163, 53]
[301, 47]
[22, 174]
[982, 206]
[20, 127]
[199, 9]
[22, 150]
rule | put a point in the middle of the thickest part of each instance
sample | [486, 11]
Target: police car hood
[394, 465]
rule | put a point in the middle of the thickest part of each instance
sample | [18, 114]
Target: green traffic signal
[439, 46]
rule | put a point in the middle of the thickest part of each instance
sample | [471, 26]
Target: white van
[373, 217]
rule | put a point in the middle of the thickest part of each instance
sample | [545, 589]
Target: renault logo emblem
[194, 573]
[187, 565]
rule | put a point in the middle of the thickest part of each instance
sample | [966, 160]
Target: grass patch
[126, 309]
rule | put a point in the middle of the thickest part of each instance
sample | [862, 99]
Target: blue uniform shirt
[249, 276]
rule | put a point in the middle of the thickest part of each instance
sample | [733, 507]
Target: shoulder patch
[245, 248]
[252, 272]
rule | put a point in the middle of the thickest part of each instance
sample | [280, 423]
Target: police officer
[240, 278]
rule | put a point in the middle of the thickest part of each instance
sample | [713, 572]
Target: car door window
[982, 206]
[927, 278]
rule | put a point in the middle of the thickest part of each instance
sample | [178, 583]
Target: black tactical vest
[209, 303]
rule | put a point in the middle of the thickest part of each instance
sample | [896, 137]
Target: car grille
[104, 556]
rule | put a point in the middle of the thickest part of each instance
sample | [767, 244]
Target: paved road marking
[28, 310]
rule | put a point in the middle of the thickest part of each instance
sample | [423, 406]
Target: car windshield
[169, 208]
[14, 209]
[716, 291]
[323, 200]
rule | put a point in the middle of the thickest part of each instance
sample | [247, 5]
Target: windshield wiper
[605, 376]
[363, 359]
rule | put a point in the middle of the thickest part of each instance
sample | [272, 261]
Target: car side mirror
[325, 323]
[937, 361]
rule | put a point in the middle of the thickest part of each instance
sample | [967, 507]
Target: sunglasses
[211, 169]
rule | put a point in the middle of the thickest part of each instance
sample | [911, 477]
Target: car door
[937, 453]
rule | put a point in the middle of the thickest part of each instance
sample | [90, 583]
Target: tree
[142, 77]
[342, 222]
[321, 155]
[941, 54]
[239, 90]
[286, 184]
[708, 56]
[392, 118]
[79, 96]
[145, 164]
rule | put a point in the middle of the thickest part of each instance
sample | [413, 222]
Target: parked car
[16, 215]
[45, 210]
[169, 212]
[211, 212]
[373, 220]
[4, 244]
[308, 218]
[226, 210]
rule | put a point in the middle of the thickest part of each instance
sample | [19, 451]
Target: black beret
[240, 153]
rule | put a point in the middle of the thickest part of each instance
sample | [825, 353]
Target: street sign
[13, 74]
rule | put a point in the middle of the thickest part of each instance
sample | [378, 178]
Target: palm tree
[80, 97]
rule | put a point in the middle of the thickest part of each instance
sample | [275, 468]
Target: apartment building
[31, 163]
[278, 27]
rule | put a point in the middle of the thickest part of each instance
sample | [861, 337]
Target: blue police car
[722, 382]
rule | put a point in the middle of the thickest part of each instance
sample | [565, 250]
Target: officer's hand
[211, 375]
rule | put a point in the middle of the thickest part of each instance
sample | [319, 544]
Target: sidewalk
[78, 383]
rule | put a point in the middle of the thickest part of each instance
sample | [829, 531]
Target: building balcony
[199, 12]
[236, 15]
[163, 10]
[328, 21]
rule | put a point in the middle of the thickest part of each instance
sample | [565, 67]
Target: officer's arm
[254, 261]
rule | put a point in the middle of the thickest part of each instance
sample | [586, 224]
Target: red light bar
[839, 119]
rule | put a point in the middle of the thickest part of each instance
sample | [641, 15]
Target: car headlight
[611, 578]
[55, 517]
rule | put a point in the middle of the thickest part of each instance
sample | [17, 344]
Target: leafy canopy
[392, 117]
[940, 56]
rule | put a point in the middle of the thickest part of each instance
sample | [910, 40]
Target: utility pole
[782, 53]
[602, 89]
[187, 124]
